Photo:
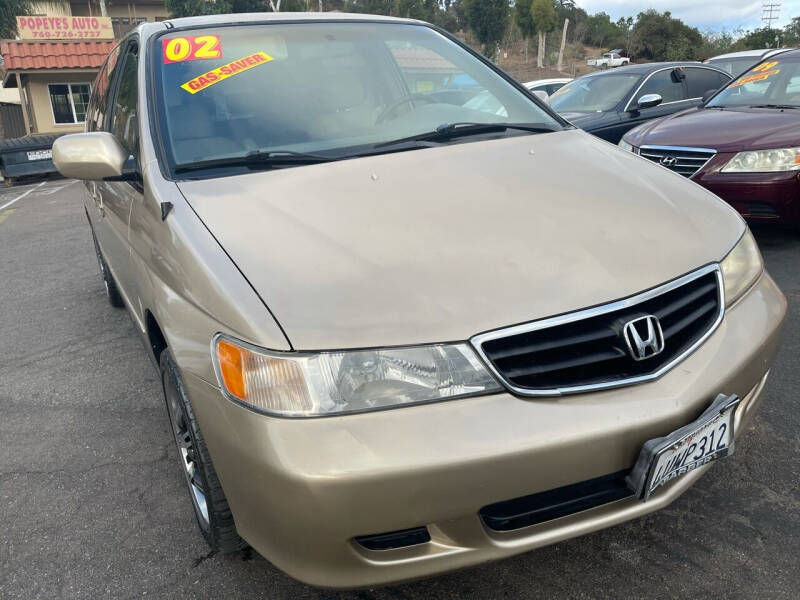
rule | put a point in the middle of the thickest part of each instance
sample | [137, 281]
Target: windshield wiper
[449, 131]
[257, 159]
[773, 106]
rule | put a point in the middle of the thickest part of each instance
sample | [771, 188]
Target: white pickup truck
[609, 59]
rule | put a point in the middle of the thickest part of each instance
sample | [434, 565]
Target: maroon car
[743, 143]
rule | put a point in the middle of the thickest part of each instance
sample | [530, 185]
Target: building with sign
[59, 49]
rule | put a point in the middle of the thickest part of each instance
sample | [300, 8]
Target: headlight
[308, 384]
[764, 161]
[741, 268]
[625, 146]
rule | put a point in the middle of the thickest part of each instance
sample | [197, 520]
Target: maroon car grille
[684, 161]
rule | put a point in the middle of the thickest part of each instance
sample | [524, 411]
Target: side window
[123, 112]
[96, 116]
[702, 80]
[93, 112]
[553, 88]
[661, 83]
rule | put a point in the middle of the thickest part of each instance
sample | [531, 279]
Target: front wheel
[208, 500]
[112, 291]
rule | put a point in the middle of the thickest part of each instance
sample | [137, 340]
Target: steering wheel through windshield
[392, 108]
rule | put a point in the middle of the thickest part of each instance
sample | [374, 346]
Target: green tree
[9, 11]
[371, 7]
[193, 8]
[760, 38]
[659, 36]
[544, 17]
[524, 20]
[488, 20]
[791, 33]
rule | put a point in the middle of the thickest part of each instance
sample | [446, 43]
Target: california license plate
[663, 459]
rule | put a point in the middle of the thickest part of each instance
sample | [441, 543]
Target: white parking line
[21, 196]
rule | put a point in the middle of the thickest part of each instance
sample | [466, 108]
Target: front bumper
[759, 197]
[301, 490]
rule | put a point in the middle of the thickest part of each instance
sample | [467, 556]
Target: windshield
[593, 94]
[774, 82]
[733, 66]
[321, 88]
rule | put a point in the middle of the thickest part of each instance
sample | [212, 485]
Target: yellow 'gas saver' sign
[234, 67]
[758, 73]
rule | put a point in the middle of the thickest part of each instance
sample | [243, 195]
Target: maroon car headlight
[626, 146]
[764, 161]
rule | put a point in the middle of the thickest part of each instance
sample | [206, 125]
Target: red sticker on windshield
[192, 47]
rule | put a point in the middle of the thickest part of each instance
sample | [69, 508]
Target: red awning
[24, 56]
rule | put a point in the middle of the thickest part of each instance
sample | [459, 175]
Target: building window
[69, 102]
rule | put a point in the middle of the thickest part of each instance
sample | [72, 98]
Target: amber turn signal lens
[231, 366]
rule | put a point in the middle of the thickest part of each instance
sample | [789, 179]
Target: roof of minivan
[280, 16]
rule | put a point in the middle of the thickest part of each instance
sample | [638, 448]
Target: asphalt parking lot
[92, 503]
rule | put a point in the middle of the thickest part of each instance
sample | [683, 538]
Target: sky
[722, 14]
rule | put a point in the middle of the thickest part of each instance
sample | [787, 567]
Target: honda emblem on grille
[643, 337]
[669, 161]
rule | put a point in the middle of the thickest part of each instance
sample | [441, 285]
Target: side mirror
[648, 101]
[94, 156]
[707, 95]
[541, 95]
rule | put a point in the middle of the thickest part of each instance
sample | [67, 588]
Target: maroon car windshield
[774, 83]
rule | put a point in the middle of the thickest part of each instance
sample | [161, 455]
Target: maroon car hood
[728, 130]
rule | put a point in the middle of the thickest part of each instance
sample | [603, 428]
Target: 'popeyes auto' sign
[65, 28]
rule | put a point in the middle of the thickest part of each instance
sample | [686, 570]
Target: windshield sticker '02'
[193, 47]
[760, 73]
[234, 67]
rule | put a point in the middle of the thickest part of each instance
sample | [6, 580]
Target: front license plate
[40, 154]
[663, 459]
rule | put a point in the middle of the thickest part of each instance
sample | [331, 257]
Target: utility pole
[770, 13]
[563, 43]
[103, 12]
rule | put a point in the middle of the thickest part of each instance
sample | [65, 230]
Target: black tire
[112, 291]
[212, 513]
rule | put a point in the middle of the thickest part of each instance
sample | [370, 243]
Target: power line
[770, 13]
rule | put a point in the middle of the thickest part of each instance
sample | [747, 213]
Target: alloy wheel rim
[187, 454]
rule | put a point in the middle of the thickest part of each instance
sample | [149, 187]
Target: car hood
[439, 244]
[728, 130]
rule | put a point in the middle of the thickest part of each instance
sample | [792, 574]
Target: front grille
[552, 504]
[587, 349]
[685, 161]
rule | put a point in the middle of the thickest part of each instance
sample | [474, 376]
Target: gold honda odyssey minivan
[399, 334]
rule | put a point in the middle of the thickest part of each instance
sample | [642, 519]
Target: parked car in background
[736, 63]
[397, 336]
[743, 144]
[608, 60]
[607, 104]
[548, 86]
